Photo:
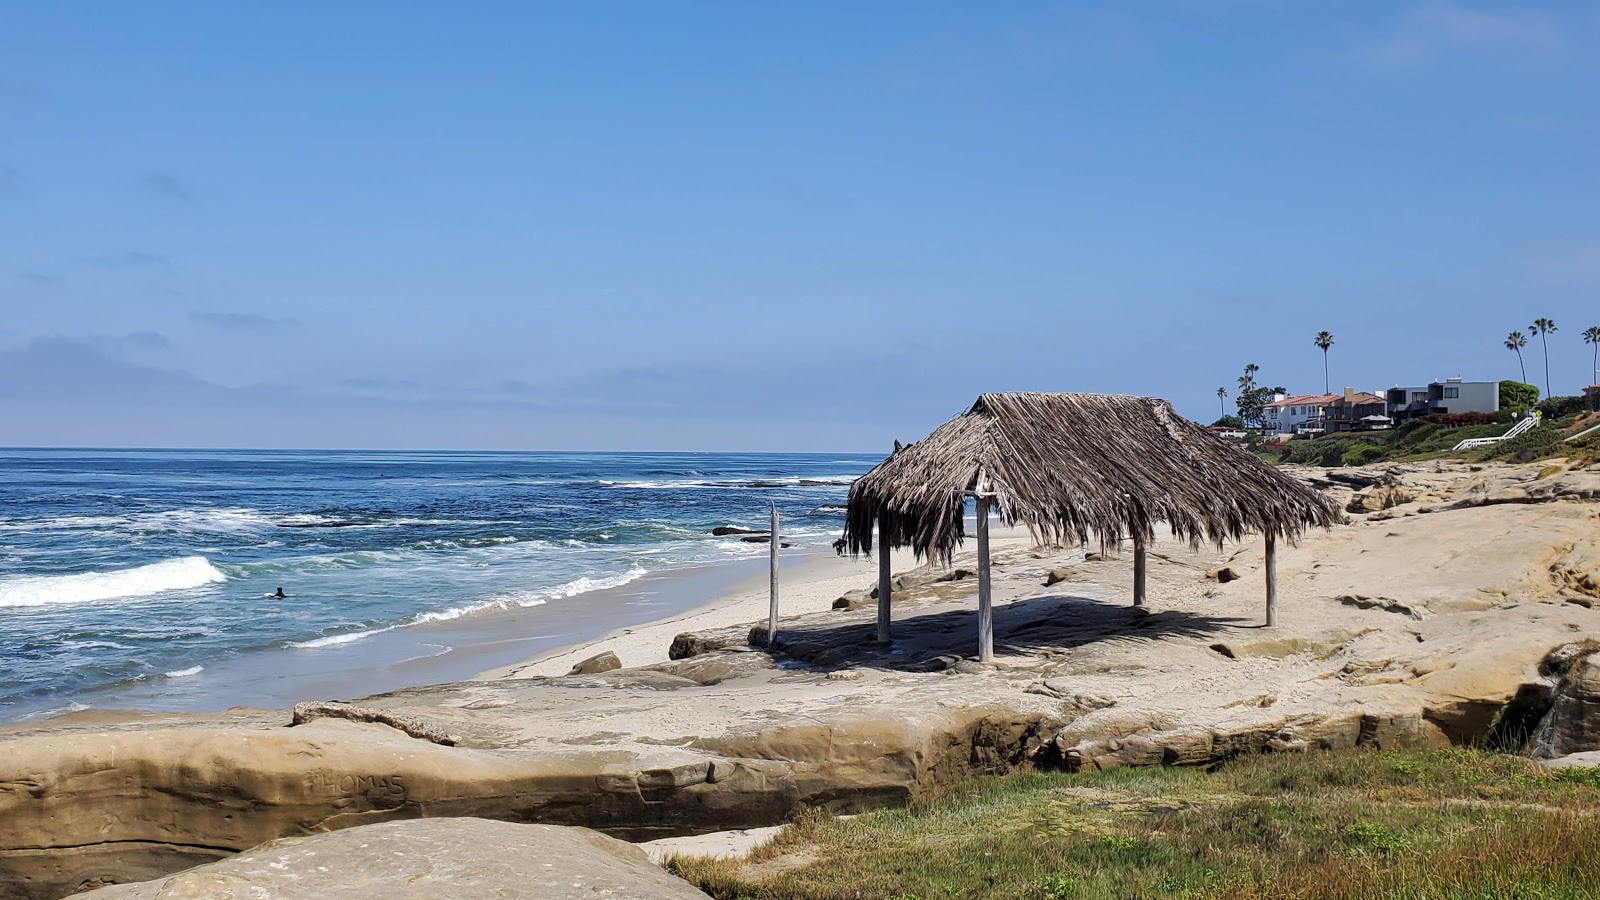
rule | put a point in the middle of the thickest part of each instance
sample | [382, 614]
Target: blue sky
[768, 226]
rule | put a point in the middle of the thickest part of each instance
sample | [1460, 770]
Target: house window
[1274, 412]
[1419, 396]
[1452, 393]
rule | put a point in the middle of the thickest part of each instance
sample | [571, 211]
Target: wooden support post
[1138, 570]
[985, 607]
[772, 612]
[1272, 579]
[884, 577]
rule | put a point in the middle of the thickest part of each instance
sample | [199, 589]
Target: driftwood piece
[411, 725]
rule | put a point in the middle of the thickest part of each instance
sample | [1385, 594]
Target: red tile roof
[1308, 399]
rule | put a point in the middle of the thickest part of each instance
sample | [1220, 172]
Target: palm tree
[1248, 379]
[1544, 328]
[1222, 394]
[1323, 342]
[1591, 336]
[1515, 341]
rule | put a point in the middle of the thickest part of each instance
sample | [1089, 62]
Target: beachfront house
[1592, 393]
[1452, 395]
[1355, 411]
[1292, 415]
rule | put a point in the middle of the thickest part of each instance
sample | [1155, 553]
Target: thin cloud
[38, 279]
[147, 340]
[1428, 35]
[132, 259]
[242, 323]
[167, 187]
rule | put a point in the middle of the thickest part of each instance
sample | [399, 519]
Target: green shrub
[1527, 446]
[1362, 454]
[1554, 408]
[1515, 396]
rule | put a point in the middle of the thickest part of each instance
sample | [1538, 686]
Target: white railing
[1528, 423]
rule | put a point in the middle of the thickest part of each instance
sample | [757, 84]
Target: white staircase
[1527, 424]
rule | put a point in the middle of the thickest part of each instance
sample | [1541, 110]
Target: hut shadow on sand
[1072, 468]
[1047, 626]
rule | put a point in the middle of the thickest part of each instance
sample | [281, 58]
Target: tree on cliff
[1324, 341]
[1591, 336]
[1544, 328]
[1253, 398]
[1515, 341]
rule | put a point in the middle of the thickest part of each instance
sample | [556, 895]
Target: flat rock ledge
[425, 860]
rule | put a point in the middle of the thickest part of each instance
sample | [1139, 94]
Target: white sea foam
[140, 581]
[184, 673]
[519, 600]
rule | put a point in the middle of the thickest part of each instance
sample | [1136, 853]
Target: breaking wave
[140, 581]
[522, 600]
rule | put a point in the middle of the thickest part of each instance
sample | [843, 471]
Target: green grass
[1449, 824]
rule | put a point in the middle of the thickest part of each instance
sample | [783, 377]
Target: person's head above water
[280, 593]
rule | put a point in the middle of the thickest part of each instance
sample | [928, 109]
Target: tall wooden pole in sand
[883, 583]
[985, 606]
[772, 612]
[1272, 579]
[1138, 569]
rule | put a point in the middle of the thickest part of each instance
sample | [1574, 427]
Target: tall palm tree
[1515, 341]
[1544, 328]
[1222, 394]
[1591, 336]
[1323, 342]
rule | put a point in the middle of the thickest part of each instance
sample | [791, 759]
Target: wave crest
[139, 581]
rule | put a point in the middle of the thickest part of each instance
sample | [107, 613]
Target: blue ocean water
[122, 567]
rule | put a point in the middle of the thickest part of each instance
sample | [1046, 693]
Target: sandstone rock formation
[594, 665]
[425, 860]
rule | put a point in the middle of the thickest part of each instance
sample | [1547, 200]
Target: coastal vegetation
[1434, 437]
[1449, 823]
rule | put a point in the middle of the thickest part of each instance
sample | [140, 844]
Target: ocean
[140, 577]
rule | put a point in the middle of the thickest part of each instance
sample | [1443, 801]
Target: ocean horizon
[128, 575]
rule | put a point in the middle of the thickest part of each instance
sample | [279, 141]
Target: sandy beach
[810, 583]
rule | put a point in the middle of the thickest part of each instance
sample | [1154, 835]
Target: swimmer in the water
[279, 595]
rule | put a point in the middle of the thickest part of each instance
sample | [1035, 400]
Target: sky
[761, 226]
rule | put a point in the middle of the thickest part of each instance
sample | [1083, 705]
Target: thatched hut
[1072, 467]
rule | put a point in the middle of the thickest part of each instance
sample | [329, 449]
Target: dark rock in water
[725, 530]
[445, 857]
[594, 665]
[763, 539]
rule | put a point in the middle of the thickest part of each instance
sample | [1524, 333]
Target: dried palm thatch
[1075, 466]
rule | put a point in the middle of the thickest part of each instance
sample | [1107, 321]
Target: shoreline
[808, 585]
[463, 649]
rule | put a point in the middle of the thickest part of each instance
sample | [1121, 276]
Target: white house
[1286, 415]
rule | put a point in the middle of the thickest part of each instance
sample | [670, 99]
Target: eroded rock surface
[425, 860]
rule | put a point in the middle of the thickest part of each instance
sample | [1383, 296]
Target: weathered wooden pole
[985, 607]
[883, 582]
[772, 611]
[1138, 569]
[1272, 579]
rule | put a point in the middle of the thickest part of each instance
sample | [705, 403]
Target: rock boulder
[424, 858]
